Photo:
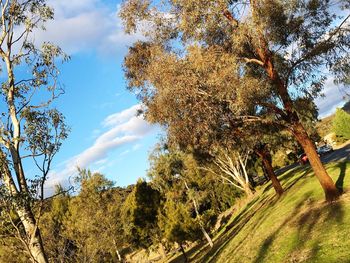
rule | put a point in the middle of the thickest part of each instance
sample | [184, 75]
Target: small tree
[29, 128]
[177, 224]
[176, 173]
[58, 247]
[139, 216]
[341, 124]
[92, 222]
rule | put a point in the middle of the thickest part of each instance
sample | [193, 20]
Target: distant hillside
[346, 107]
[324, 126]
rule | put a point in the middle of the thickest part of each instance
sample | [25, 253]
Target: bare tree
[233, 170]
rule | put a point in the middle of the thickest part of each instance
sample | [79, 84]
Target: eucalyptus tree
[254, 59]
[30, 128]
[92, 223]
[176, 173]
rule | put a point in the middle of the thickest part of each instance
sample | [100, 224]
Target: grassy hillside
[298, 227]
[324, 126]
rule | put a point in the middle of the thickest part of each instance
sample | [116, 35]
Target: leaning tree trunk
[119, 256]
[205, 233]
[184, 253]
[266, 161]
[288, 112]
[162, 250]
[35, 243]
[329, 188]
[117, 250]
[33, 237]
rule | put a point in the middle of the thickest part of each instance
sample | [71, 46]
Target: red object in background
[303, 159]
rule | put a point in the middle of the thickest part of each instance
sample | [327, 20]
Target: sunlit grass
[298, 227]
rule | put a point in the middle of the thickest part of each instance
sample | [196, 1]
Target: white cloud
[119, 117]
[333, 98]
[85, 25]
[126, 128]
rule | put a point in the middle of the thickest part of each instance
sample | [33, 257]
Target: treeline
[104, 223]
[182, 202]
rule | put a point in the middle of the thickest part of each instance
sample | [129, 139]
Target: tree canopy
[206, 70]
[341, 124]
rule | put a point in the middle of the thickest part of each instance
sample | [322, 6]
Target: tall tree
[252, 58]
[29, 127]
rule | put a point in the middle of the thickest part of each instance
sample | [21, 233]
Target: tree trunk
[329, 188]
[35, 243]
[266, 161]
[183, 253]
[119, 256]
[162, 250]
[248, 190]
[271, 174]
[206, 235]
[33, 236]
[291, 117]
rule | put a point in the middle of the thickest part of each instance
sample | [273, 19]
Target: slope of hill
[324, 126]
[346, 107]
[298, 227]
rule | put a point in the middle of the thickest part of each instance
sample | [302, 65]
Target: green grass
[298, 227]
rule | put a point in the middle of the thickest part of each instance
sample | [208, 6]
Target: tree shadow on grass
[340, 181]
[288, 184]
[305, 221]
[240, 221]
[263, 251]
[327, 213]
[288, 179]
[265, 201]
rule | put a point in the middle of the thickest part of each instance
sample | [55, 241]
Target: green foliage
[170, 169]
[193, 197]
[91, 223]
[177, 223]
[140, 215]
[58, 247]
[341, 124]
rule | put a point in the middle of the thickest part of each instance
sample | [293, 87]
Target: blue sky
[106, 135]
